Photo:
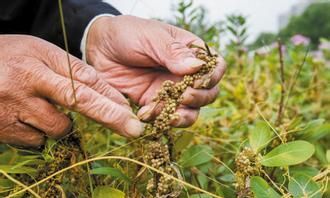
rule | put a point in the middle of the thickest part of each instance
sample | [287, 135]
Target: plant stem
[19, 183]
[66, 48]
[281, 104]
[115, 158]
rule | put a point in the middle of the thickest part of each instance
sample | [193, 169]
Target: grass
[257, 91]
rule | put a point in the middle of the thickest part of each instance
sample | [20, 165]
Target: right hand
[34, 73]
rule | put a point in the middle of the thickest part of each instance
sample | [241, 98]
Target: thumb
[181, 60]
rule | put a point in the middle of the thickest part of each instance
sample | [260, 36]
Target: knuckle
[190, 118]
[65, 90]
[172, 30]
[116, 115]
[85, 74]
[34, 140]
[81, 94]
[59, 126]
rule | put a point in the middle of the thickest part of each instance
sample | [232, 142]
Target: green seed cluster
[158, 154]
[247, 164]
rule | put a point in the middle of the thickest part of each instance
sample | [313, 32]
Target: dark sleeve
[41, 18]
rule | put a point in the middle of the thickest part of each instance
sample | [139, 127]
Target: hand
[34, 73]
[135, 56]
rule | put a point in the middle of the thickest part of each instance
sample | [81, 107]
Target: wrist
[90, 41]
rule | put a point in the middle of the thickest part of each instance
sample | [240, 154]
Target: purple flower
[324, 45]
[299, 39]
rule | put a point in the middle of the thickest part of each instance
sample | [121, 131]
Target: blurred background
[265, 19]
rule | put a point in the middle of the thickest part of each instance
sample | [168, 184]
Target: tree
[314, 23]
[264, 38]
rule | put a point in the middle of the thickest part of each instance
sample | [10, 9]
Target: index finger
[88, 102]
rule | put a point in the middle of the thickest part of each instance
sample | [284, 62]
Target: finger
[199, 97]
[186, 37]
[45, 117]
[150, 111]
[180, 60]
[170, 52]
[212, 79]
[22, 135]
[186, 117]
[88, 102]
[57, 60]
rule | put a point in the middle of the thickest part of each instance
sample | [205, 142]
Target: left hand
[136, 56]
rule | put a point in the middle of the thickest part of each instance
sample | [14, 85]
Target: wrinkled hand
[34, 73]
[135, 56]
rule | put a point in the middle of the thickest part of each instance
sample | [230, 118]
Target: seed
[158, 153]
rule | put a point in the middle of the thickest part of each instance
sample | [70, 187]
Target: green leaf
[328, 156]
[227, 178]
[317, 132]
[7, 157]
[209, 113]
[311, 126]
[114, 172]
[288, 154]
[200, 196]
[183, 141]
[261, 189]
[196, 155]
[232, 30]
[107, 192]
[320, 153]
[203, 181]
[304, 186]
[308, 171]
[5, 184]
[17, 170]
[260, 136]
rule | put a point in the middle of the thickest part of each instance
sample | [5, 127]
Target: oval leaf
[260, 136]
[304, 186]
[107, 192]
[288, 154]
[261, 189]
[196, 155]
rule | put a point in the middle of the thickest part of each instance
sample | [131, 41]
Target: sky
[263, 15]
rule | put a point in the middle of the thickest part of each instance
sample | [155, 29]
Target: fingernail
[193, 62]
[187, 98]
[203, 82]
[146, 112]
[134, 128]
[206, 83]
[198, 84]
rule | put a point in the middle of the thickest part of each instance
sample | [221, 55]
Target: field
[266, 135]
